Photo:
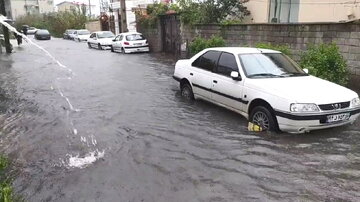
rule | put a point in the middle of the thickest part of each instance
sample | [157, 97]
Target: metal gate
[171, 39]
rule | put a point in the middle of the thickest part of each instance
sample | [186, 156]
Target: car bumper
[137, 49]
[293, 123]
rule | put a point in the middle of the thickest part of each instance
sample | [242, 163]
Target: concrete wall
[93, 26]
[296, 36]
[154, 37]
[305, 11]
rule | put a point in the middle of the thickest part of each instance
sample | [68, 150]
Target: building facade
[67, 6]
[23, 7]
[302, 11]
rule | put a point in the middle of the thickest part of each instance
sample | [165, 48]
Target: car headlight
[355, 102]
[298, 107]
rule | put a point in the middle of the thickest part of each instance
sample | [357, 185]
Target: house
[302, 11]
[23, 7]
[67, 6]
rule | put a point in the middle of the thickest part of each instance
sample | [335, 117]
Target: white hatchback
[100, 40]
[130, 42]
[81, 35]
[267, 88]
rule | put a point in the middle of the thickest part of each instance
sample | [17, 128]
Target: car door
[226, 90]
[91, 39]
[118, 41]
[201, 73]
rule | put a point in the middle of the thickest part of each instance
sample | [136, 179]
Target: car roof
[243, 50]
[101, 31]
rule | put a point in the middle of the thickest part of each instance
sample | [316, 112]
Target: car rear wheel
[123, 50]
[99, 47]
[112, 49]
[262, 117]
[186, 91]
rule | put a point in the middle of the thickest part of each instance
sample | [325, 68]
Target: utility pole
[5, 29]
[89, 8]
[123, 16]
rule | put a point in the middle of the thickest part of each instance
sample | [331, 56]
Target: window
[121, 37]
[118, 38]
[269, 65]
[284, 11]
[207, 61]
[134, 37]
[93, 35]
[227, 64]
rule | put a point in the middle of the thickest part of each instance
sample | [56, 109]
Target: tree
[212, 11]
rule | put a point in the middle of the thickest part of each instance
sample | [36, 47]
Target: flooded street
[131, 137]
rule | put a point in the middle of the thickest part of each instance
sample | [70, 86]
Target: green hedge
[199, 43]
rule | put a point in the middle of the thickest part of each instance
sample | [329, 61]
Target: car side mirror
[235, 76]
[114, 40]
[306, 70]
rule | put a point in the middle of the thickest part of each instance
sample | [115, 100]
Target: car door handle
[191, 74]
[214, 81]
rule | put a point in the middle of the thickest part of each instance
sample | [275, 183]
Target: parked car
[130, 42]
[68, 34]
[101, 40]
[81, 35]
[42, 34]
[267, 88]
[31, 30]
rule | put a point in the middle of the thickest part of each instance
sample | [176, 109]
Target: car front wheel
[262, 117]
[186, 91]
[89, 45]
[112, 49]
[99, 46]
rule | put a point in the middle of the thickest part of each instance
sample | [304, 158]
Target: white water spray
[74, 161]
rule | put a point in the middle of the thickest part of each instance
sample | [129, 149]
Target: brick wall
[296, 36]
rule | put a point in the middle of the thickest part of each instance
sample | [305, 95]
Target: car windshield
[269, 65]
[105, 35]
[134, 37]
[42, 31]
[83, 32]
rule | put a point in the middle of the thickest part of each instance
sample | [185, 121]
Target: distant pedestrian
[25, 29]
[18, 38]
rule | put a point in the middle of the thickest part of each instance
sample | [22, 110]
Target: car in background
[130, 42]
[31, 30]
[68, 34]
[81, 35]
[100, 40]
[267, 88]
[42, 34]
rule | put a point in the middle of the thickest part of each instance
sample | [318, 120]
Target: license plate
[338, 117]
[137, 44]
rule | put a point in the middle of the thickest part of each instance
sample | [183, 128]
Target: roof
[128, 33]
[242, 50]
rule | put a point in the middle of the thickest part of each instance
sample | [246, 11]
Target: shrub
[199, 43]
[56, 23]
[6, 191]
[282, 48]
[326, 62]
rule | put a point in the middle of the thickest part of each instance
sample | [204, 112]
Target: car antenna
[259, 50]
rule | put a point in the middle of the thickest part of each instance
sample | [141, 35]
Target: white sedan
[267, 88]
[100, 40]
[130, 42]
[81, 35]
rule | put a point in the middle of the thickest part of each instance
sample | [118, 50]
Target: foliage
[6, 191]
[230, 22]
[152, 13]
[282, 48]
[199, 43]
[211, 11]
[326, 62]
[56, 23]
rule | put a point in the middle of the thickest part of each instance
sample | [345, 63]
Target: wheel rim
[261, 119]
[186, 92]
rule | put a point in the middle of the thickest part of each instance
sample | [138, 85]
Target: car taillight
[126, 43]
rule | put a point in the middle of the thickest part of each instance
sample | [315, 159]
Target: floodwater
[131, 137]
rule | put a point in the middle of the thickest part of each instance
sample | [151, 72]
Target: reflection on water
[158, 146]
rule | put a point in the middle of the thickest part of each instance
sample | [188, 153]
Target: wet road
[132, 138]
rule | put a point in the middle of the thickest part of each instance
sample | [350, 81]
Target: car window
[134, 37]
[92, 35]
[105, 35]
[207, 61]
[75, 32]
[227, 64]
[83, 32]
[269, 64]
[117, 38]
[121, 37]
[42, 32]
